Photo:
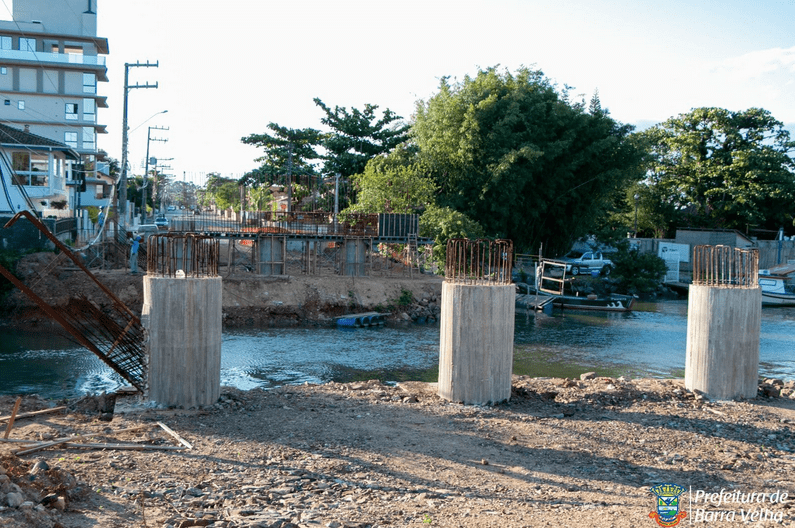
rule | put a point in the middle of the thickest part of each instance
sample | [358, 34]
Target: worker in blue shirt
[134, 254]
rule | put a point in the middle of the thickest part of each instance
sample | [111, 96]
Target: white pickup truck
[586, 261]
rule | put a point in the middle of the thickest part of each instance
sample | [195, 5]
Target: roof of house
[705, 230]
[14, 137]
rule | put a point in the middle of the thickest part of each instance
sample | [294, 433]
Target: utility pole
[156, 190]
[122, 208]
[336, 199]
[290, 180]
[146, 168]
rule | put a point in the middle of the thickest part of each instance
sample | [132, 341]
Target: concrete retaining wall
[723, 328]
[476, 342]
[183, 321]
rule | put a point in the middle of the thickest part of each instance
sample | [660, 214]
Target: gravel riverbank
[559, 453]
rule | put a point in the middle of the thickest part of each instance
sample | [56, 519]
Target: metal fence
[273, 223]
[322, 257]
[478, 261]
[725, 266]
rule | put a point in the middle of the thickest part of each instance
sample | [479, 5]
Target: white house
[34, 172]
[51, 62]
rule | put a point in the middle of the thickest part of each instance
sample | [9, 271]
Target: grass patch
[348, 375]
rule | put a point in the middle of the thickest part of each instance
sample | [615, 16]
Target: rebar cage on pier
[725, 266]
[478, 261]
[195, 255]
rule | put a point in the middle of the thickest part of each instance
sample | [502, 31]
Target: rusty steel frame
[726, 266]
[478, 261]
[194, 254]
[90, 326]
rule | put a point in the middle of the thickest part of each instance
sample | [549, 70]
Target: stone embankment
[248, 300]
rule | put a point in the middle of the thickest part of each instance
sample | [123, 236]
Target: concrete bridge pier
[183, 321]
[476, 343]
[355, 257]
[182, 316]
[724, 313]
[270, 253]
[477, 322]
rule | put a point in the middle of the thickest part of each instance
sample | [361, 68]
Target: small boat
[778, 285]
[551, 281]
[610, 303]
[361, 320]
[538, 301]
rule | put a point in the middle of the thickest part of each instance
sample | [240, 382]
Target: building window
[27, 44]
[20, 161]
[70, 112]
[90, 110]
[3, 70]
[8, 102]
[5, 43]
[21, 104]
[70, 139]
[88, 138]
[31, 169]
[89, 83]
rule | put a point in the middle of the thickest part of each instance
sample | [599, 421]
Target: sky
[228, 68]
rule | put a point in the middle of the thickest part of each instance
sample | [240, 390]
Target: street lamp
[145, 121]
[637, 196]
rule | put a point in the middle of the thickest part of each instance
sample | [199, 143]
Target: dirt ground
[558, 453]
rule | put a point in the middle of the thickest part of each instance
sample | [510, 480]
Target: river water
[649, 341]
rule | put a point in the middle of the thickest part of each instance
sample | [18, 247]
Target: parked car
[145, 230]
[161, 221]
[586, 262]
[172, 208]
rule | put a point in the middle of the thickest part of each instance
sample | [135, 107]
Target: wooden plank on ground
[67, 439]
[34, 413]
[12, 417]
[175, 435]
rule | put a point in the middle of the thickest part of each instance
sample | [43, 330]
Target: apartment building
[51, 63]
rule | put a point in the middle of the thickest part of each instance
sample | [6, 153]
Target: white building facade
[51, 64]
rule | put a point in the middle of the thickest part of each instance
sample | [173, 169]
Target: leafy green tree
[261, 196]
[223, 192]
[287, 151]
[443, 223]
[289, 155]
[393, 183]
[358, 136]
[512, 152]
[722, 169]
[134, 194]
[635, 273]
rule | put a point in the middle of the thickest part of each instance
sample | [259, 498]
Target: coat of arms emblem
[667, 513]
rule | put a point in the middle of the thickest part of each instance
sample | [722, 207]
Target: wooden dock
[531, 301]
